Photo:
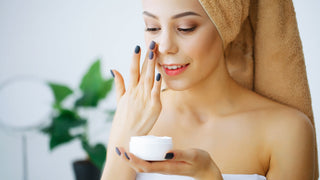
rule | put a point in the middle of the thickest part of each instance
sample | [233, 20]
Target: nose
[167, 43]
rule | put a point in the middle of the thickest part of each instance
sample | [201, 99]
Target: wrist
[115, 168]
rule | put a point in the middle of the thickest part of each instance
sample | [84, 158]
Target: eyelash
[187, 30]
[152, 29]
[179, 29]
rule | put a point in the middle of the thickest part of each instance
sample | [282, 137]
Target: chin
[177, 85]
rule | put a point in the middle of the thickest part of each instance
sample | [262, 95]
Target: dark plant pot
[85, 170]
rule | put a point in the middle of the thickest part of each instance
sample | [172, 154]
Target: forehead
[171, 7]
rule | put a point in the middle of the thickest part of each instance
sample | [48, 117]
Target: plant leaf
[92, 79]
[61, 124]
[90, 86]
[93, 86]
[88, 99]
[106, 88]
[60, 92]
[97, 154]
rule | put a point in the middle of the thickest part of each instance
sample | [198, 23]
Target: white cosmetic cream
[150, 148]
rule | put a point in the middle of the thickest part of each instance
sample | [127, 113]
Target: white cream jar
[150, 148]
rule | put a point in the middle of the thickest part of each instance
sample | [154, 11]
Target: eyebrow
[187, 13]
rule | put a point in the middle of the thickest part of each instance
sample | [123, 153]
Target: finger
[149, 77]
[144, 66]
[164, 167]
[155, 93]
[122, 153]
[119, 83]
[152, 47]
[138, 164]
[134, 162]
[135, 67]
[190, 156]
[141, 165]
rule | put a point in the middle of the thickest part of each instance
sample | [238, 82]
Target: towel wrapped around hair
[263, 49]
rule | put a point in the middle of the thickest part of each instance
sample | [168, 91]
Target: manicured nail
[152, 45]
[137, 49]
[169, 156]
[126, 156]
[118, 151]
[151, 55]
[158, 77]
[112, 73]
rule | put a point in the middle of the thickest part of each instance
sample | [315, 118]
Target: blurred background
[57, 41]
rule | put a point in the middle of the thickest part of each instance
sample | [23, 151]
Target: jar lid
[149, 139]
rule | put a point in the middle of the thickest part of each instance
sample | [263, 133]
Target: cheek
[201, 47]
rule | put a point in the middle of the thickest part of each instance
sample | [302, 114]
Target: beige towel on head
[263, 49]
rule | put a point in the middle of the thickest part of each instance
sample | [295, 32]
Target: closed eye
[153, 29]
[187, 29]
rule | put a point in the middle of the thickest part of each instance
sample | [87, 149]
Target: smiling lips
[174, 69]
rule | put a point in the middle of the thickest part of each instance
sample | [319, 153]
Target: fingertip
[169, 155]
[158, 77]
[119, 84]
[116, 74]
[112, 74]
[137, 49]
[118, 151]
[126, 155]
[152, 45]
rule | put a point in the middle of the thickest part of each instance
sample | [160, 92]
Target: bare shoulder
[282, 123]
[277, 117]
[290, 138]
[286, 123]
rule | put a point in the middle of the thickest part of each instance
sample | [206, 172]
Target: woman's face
[189, 46]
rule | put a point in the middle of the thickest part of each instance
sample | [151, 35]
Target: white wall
[58, 40]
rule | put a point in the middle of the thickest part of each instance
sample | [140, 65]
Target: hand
[138, 106]
[195, 163]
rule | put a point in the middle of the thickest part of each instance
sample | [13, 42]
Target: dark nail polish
[151, 55]
[169, 156]
[126, 156]
[158, 77]
[152, 45]
[118, 151]
[137, 49]
[112, 73]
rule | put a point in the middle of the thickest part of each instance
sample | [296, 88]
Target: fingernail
[152, 45]
[111, 73]
[118, 151]
[150, 55]
[137, 49]
[158, 77]
[169, 156]
[126, 156]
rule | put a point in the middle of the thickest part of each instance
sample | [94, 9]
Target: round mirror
[24, 103]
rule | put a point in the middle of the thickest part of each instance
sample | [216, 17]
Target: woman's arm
[292, 142]
[138, 108]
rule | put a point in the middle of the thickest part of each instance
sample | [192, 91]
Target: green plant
[93, 88]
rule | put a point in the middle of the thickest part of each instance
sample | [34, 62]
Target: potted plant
[65, 120]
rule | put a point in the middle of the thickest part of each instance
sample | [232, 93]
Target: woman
[220, 129]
